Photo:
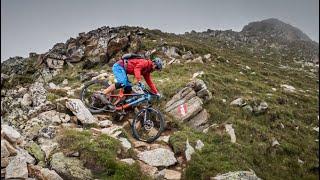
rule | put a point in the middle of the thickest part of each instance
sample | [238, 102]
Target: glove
[159, 96]
[141, 85]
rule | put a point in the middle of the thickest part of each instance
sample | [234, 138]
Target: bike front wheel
[148, 125]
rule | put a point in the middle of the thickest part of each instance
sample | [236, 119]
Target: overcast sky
[36, 25]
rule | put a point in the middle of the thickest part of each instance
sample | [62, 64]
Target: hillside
[252, 98]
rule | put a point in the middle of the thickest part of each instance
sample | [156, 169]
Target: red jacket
[138, 67]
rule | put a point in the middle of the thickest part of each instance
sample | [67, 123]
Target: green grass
[99, 154]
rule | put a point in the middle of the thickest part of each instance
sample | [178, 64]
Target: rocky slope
[236, 105]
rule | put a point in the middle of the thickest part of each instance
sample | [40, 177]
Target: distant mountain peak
[274, 28]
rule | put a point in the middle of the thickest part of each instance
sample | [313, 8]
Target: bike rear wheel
[89, 92]
[148, 125]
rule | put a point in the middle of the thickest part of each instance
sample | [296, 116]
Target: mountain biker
[136, 67]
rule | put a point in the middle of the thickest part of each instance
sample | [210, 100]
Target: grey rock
[187, 56]
[5, 162]
[199, 122]
[248, 108]
[182, 96]
[10, 134]
[238, 102]
[50, 174]
[207, 56]
[4, 151]
[82, 113]
[199, 145]
[169, 174]
[147, 169]
[51, 85]
[53, 117]
[240, 175]
[288, 88]
[24, 155]
[189, 151]
[65, 82]
[17, 168]
[199, 73]
[171, 52]
[275, 142]
[201, 89]
[230, 131]
[26, 100]
[48, 132]
[184, 110]
[3, 171]
[125, 143]
[38, 94]
[105, 123]
[69, 168]
[129, 161]
[54, 63]
[263, 106]
[158, 157]
[198, 60]
[48, 146]
[8, 147]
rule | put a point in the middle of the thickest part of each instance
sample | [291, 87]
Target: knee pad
[127, 89]
[119, 85]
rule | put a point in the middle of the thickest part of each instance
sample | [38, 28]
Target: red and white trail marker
[183, 109]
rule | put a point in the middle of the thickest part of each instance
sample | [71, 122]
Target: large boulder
[54, 63]
[200, 121]
[158, 157]
[186, 105]
[42, 173]
[184, 110]
[10, 134]
[38, 94]
[69, 168]
[183, 95]
[201, 89]
[79, 109]
[17, 168]
[117, 44]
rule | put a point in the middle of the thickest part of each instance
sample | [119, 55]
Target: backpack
[129, 56]
[126, 57]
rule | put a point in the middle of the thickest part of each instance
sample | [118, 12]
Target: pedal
[122, 113]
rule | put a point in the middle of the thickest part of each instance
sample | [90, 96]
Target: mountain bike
[148, 123]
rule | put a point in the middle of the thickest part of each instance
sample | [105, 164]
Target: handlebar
[146, 91]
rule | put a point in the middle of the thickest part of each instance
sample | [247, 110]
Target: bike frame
[144, 97]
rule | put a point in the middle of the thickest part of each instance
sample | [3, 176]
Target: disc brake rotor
[148, 125]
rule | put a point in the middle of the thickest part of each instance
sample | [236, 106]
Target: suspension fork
[145, 115]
